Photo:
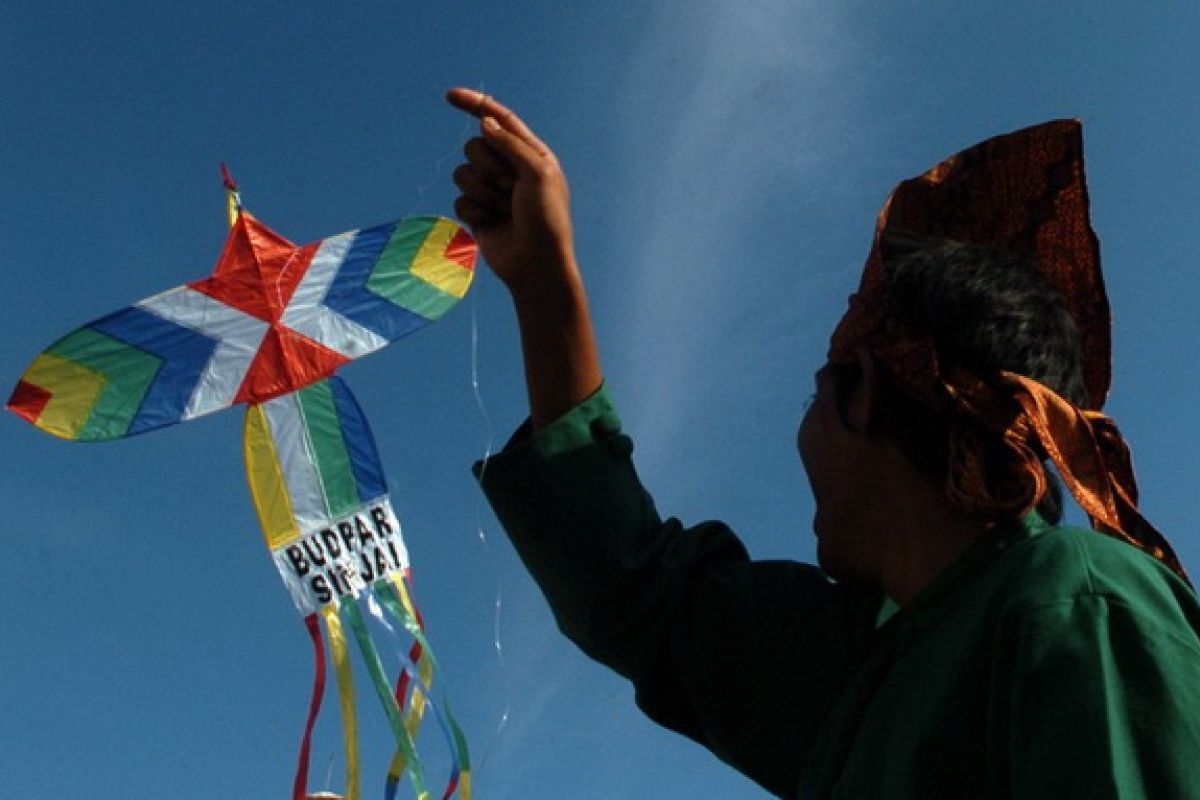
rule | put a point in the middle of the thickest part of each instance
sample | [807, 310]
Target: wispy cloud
[731, 111]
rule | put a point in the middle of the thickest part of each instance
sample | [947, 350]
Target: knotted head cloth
[1022, 193]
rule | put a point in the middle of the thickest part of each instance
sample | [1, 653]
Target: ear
[860, 406]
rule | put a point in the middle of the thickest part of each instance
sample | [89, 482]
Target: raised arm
[516, 202]
[682, 613]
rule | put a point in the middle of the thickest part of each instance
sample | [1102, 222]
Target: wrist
[553, 284]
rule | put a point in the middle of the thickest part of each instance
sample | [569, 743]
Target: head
[991, 370]
[984, 312]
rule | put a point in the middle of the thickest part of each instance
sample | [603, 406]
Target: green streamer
[383, 688]
[390, 598]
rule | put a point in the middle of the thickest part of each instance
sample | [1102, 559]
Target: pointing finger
[483, 106]
[526, 158]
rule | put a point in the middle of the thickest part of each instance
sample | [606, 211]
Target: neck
[928, 535]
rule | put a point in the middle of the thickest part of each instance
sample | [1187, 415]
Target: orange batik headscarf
[1025, 194]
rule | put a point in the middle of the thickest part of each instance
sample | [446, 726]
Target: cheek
[808, 446]
[804, 440]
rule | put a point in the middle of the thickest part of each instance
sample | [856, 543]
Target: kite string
[437, 168]
[498, 601]
[329, 774]
[481, 535]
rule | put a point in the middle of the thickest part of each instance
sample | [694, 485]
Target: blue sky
[726, 160]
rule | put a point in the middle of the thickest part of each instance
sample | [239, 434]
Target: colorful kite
[269, 328]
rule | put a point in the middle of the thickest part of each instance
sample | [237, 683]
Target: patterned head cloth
[1022, 193]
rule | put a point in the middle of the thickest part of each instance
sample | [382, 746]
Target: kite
[269, 328]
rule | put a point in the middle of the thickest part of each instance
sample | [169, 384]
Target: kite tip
[227, 178]
[233, 199]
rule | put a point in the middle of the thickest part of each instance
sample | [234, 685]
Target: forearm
[516, 200]
[562, 363]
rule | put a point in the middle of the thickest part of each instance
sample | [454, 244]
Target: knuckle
[546, 169]
[478, 192]
[494, 183]
[474, 147]
[479, 195]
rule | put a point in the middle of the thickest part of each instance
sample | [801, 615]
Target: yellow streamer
[416, 709]
[345, 682]
[405, 600]
[418, 703]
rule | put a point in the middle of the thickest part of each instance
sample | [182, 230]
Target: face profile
[835, 457]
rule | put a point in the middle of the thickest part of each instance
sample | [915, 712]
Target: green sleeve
[1106, 703]
[744, 657]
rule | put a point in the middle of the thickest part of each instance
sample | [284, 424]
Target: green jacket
[1048, 662]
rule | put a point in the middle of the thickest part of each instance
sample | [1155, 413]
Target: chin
[838, 565]
[828, 560]
[827, 557]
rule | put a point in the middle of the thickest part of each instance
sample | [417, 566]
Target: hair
[986, 312]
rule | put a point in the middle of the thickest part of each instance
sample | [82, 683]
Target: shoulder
[1059, 573]
[1097, 674]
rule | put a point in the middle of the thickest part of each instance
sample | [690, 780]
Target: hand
[515, 200]
[514, 197]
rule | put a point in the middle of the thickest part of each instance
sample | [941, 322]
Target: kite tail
[462, 758]
[415, 664]
[383, 689]
[300, 785]
[345, 681]
[414, 682]
[321, 498]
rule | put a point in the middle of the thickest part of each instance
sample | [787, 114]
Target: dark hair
[986, 312]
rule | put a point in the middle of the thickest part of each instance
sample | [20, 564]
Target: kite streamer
[269, 328]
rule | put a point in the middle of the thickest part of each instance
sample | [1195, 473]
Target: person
[955, 640]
